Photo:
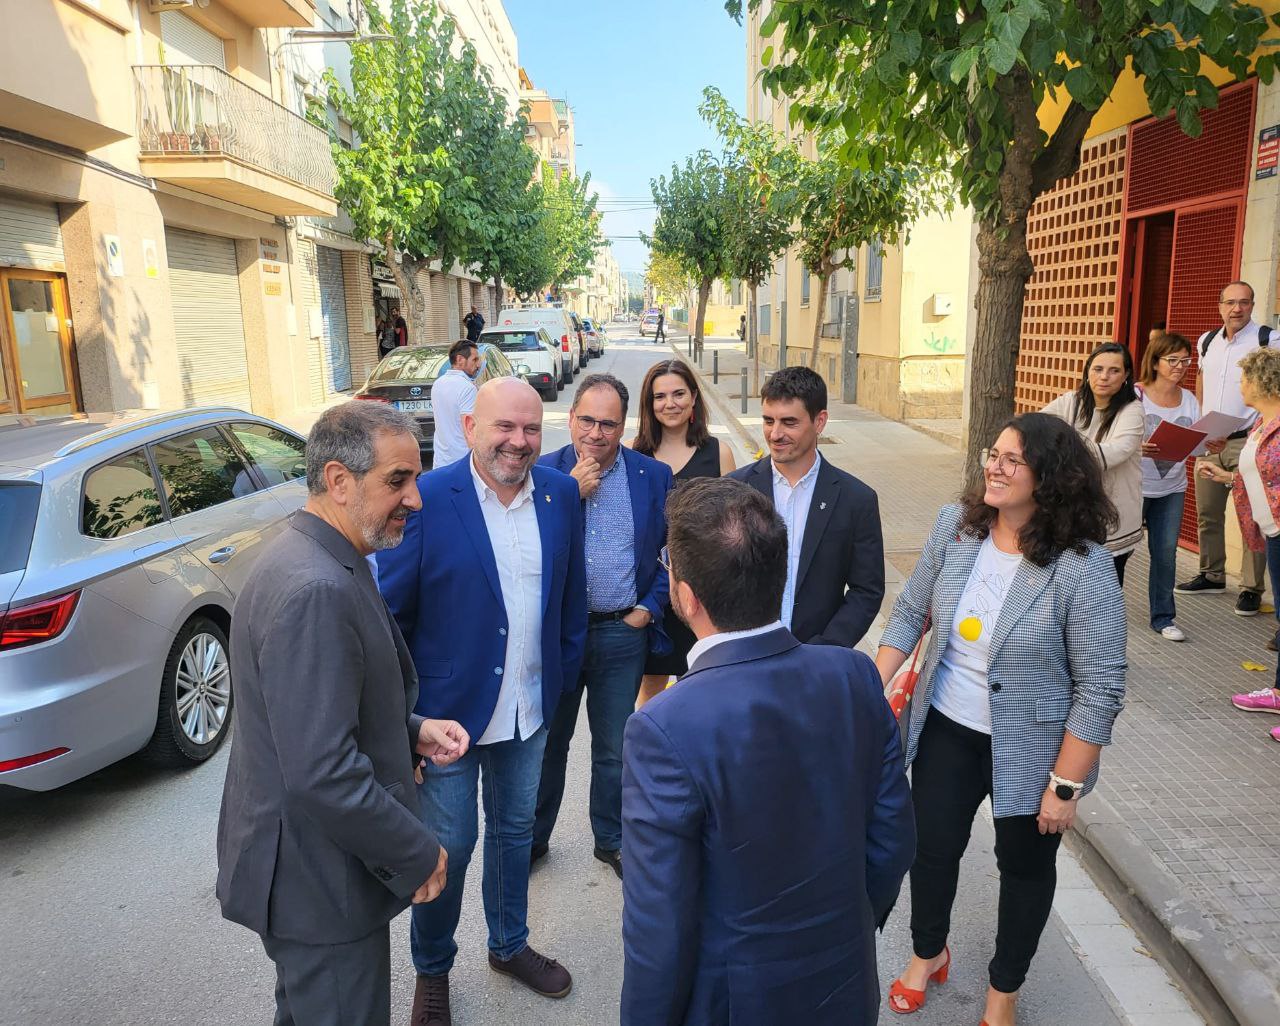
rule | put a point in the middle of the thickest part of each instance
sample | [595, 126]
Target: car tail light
[41, 621]
[564, 343]
[30, 760]
[373, 398]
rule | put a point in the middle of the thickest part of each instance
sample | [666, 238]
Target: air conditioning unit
[170, 5]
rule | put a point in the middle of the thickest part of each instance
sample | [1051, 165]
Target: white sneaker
[1173, 633]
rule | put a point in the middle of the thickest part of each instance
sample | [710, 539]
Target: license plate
[414, 405]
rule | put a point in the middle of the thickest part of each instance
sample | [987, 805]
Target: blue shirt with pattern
[611, 542]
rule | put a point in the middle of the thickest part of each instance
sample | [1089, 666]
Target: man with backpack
[1218, 389]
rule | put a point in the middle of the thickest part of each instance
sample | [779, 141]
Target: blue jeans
[509, 771]
[611, 672]
[1164, 521]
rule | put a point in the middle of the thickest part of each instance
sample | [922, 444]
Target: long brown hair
[1165, 344]
[649, 435]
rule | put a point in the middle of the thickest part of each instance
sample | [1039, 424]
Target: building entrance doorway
[37, 372]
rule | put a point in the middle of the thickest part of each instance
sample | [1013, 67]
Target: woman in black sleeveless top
[674, 429]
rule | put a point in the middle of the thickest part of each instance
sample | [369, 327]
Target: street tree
[963, 82]
[668, 277]
[528, 257]
[572, 224]
[421, 106]
[694, 212]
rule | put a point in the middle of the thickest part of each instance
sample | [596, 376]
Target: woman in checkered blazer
[1022, 680]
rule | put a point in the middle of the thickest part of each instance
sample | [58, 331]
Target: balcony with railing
[273, 13]
[200, 128]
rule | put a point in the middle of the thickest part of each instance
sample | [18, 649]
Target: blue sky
[634, 74]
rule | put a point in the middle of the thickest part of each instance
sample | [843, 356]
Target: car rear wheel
[195, 696]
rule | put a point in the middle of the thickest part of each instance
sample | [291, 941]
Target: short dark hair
[797, 383]
[727, 542]
[348, 434]
[1223, 291]
[459, 350]
[601, 381]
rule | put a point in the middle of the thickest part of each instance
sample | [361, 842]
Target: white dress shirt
[793, 505]
[1220, 371]
[517, 550]
[705, 645]
[453, 394]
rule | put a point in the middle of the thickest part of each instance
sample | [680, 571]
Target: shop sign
[150, 258]
[115, 255]
[381, 272]
[1268, 153]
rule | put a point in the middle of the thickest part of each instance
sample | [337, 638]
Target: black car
[405, 376]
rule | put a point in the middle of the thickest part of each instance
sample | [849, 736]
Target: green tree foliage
[572, 225]
[695, 212]
[667, 275]
[962, 81]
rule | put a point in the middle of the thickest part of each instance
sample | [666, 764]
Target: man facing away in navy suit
[489, 591]
[766, 819]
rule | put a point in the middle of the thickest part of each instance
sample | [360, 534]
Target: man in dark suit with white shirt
[835, 567]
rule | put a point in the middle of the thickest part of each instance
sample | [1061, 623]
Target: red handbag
[903, 686]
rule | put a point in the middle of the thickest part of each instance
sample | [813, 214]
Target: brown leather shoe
[431, 1002]
[540, 974]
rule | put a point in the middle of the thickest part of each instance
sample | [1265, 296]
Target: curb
[752, 444]
[1218, 976]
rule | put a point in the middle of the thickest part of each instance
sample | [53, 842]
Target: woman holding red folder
[1164, 483]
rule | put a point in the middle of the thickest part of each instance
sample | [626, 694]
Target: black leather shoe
[1198, 584]
[431, 1002]
[540, 974]
[1248, 603]
[538, 851]
[612, 859]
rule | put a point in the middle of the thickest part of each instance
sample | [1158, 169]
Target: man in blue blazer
[489, 591]
[624, 496]
[767, 822]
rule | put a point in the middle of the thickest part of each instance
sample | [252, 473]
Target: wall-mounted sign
[271, 268]
[115, 256]
[381, 272]
[270, 248]
[1268, 153]
[273, 288]
[150, 258]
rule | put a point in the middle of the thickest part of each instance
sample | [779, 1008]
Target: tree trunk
[405, 273]
[704, 293]
[1005, 268]
[753, 330]
[820, 310]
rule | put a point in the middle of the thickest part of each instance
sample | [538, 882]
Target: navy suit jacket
[766, 829]
[649, 481]
[442, 586]
[841, 579]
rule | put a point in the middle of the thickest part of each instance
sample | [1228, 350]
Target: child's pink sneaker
[1275, 733]
[1262, 700]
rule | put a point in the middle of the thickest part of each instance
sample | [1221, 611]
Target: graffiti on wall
[941, 343]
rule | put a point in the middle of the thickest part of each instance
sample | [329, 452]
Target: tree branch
[1061, 155]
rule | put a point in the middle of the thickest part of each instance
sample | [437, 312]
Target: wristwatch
[1063, 788]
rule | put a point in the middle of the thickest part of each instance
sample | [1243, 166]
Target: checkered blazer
[1057, 659]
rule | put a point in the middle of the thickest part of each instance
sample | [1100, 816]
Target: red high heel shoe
[915, 998]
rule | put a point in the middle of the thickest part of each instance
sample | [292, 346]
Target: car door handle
[222, 555]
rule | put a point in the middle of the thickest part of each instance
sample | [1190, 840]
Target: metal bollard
[715, 366]
[744, 389]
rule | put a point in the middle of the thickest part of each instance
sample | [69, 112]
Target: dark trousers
[611, 670]
[332, 984]
[660, 335]
[950, 777]
[1120, 561]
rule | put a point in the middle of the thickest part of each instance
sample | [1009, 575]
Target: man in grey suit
[320, 844]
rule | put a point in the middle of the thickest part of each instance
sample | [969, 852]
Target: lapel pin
[547, 497]
[822, 505]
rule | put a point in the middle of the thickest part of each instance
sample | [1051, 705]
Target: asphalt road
[109, 916]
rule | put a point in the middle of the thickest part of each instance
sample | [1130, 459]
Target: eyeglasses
[1002, 461]
[664, 560]
[1177, 361]
[1235, 302]
[589, 424]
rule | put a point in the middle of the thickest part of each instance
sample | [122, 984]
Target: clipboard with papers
[1176, 443]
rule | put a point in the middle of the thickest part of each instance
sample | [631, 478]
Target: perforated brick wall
[1073, 234]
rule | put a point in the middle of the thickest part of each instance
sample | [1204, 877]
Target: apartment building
[550, 133]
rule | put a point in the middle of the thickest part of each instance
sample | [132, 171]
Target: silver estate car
[123, 543]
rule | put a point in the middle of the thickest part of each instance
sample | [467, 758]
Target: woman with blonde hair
[1255, 485]
[1164, 483]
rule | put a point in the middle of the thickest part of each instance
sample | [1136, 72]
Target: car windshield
[18, 503]
[411, 365]
[514, 341]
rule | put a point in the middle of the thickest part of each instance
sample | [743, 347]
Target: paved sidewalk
[1185, 826]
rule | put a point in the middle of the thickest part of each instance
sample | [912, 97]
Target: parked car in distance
[595, 337]
[649, 321]
[533, 348]
[125, 541]
[555, 321]
[582, 337]
[404, 378]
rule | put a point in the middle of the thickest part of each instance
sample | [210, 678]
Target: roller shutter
[333, 319]
[312, 317]
[185, 42]
[30, 235]
[207, 322]
[437, 330]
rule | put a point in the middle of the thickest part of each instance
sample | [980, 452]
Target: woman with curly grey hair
[1255, 486]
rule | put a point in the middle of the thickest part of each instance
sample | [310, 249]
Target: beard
[491, 460]
[674, 599]
[378, 533]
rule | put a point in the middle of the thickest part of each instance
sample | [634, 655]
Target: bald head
[505, 433]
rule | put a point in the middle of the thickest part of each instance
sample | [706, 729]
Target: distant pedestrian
[452, 396]
[659, 334]
[1218, 389]
[488, 588]
[742, 327]
[767, 821]
[624, 496]
[1019, 687]
[674, 429]
[1104, 411]
[1164, 484]
[474, 323]
[1256, 488]
[320, 839]
[835, 556]
[400, 327]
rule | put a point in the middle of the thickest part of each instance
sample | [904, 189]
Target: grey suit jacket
[1056, 663]
[319, 839]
